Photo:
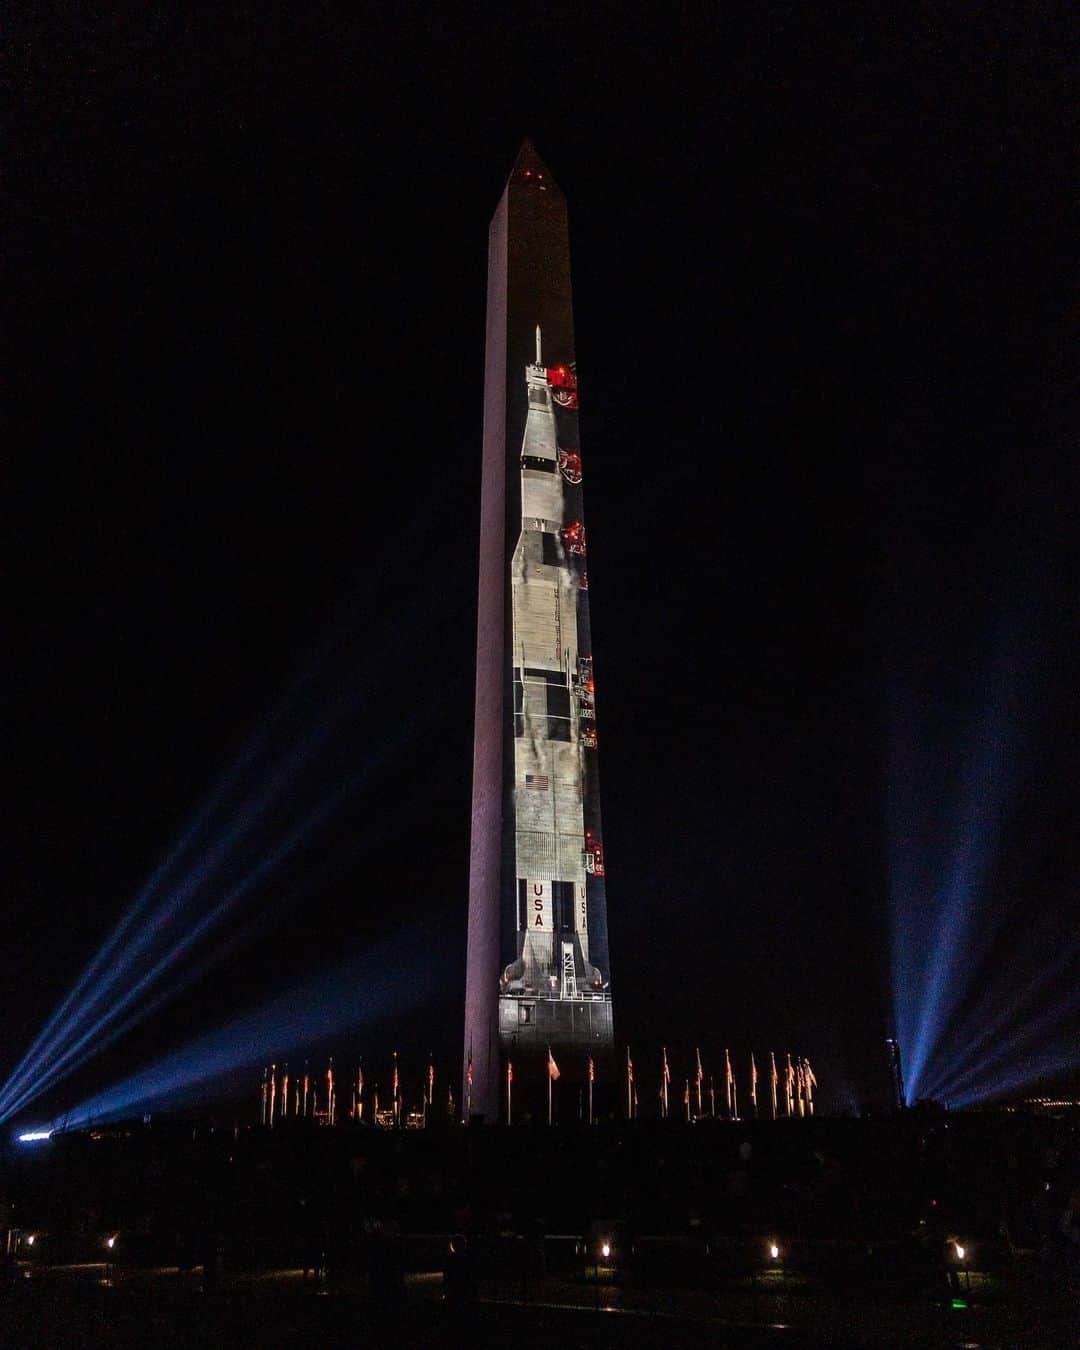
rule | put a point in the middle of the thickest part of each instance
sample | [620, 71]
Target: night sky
[822, 287]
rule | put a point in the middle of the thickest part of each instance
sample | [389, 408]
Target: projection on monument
[538, 969]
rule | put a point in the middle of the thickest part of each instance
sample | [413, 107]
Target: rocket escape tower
[537, 961]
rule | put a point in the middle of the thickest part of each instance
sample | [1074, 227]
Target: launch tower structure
[538, 972]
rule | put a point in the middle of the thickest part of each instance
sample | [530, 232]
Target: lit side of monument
[537, 958]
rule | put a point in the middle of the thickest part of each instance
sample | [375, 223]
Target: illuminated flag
[359, 1092]
[753, 1082]
[468, 1086]
[665, 1079]
[430, 1082]
[285, 1093]
[509, 1086]
[307, 1084]
[273, 1090]
[330, 1092]
[686, 1093]
[592, 1070]
[700, 1071]
[265, 1090]
[667, 1071]
[509, 1071]
[789, 1086]
[553, 1073]
[729, 1085]
[774, 1080]
[629, 1085]
[712, 1098]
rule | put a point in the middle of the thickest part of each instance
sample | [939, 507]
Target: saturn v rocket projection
[537, 961]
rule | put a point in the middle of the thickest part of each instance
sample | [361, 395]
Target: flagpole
[591, 1075]
[509, 1082]
[712, 1097]
[629, 1086]
[774, 1079]
[753, 1084]
[549, 1084]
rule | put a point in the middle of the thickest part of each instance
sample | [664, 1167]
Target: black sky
[822, 285]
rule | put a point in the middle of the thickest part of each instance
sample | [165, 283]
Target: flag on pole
[789, 1085]
[629, 1085]
[775, 1077]
[553, 1068]
[664, 1081]
[468, 1085]
[729, 1084]
[699, 1079]
[592, 1070]
[753, 1082]
[430, 1082]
